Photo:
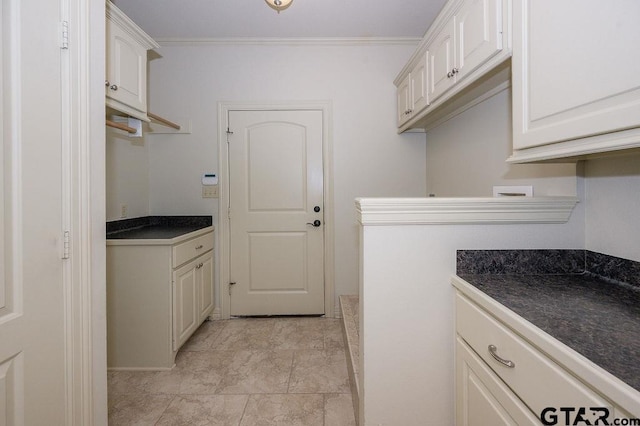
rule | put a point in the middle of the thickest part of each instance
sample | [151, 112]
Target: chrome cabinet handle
[493, 350]
[199, 247]
[106, 83]
[454, 71]
[198, 266]
[449, 75]
[113, 87]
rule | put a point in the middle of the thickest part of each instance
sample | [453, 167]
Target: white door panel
[32, 315]
[276, 181]
[277, 270]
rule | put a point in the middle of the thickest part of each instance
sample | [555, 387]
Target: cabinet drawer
[535, 378]
[481, 397]
[186, 251]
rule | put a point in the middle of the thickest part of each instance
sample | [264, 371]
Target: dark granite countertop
[156, 227]
[595, 315]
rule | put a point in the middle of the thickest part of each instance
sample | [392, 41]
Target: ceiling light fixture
[279, 5]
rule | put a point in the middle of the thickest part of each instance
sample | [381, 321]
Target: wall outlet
[209, 191]
[123, 210]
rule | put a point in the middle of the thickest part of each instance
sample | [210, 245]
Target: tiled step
[349, 306]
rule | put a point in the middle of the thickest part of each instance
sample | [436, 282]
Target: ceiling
[213, 19]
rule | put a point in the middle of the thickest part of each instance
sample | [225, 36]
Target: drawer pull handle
[493, 350]
[199, 247]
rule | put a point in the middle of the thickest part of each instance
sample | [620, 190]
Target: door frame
[83, 65]
[222, 232]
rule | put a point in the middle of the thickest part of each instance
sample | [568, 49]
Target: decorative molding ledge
[439, 211]
[328, 41]
[579, 149]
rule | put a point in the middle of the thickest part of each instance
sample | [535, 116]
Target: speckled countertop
[155, 227]
[596, 315]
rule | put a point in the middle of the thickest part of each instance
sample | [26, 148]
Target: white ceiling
[211, 19]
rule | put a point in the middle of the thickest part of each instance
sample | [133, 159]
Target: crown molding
[438, 211]
[285, 41]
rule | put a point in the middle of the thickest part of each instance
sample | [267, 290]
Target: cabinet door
[126, 69]
[441, 61]
[481, 397]
[419, 98]
[576, 71]
[404, 101]
[185, 309]
[204, 279]
[478, 34]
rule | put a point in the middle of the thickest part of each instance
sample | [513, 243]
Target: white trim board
[222, 229]
[302, 41]
[499, 210]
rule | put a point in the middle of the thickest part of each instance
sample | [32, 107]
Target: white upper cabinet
[478, 26]
[467, 40]
[441, 61]
[419, 98]
[412, 92]
[403, 93]
[576, 78]
[126, 73]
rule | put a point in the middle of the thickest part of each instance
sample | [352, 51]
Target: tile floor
[243, 372]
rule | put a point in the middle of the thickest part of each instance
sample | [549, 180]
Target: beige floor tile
[204, 337]
[277, 371]
[201, 410]
[244, 334]
[195, 373]
[137, 410]
[284, 410]
[333, 338]
[338, 410]
[256, 372]
[319, 372]
[128, 382]
[298, 333]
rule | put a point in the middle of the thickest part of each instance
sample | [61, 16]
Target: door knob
[315, 223]
[316, 209]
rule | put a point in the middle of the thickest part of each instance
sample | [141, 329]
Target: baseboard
[216, 314]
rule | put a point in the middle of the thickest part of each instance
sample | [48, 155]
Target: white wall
[612, 187]
[370, 159]
[127, 175]
[466, 156]
[406, 302]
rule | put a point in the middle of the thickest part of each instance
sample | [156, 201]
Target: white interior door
[32, 316]
[275, 196]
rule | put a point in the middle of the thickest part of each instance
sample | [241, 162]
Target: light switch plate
[209, 191]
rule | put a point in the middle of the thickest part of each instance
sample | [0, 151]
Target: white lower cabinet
[502, 379]
[158, 294]
[482, 398]
[192, 297]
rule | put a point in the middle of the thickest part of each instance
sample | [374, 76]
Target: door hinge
[64, 33]
[230, 286]
[65, 245]
[229, 213]
[229, 132]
